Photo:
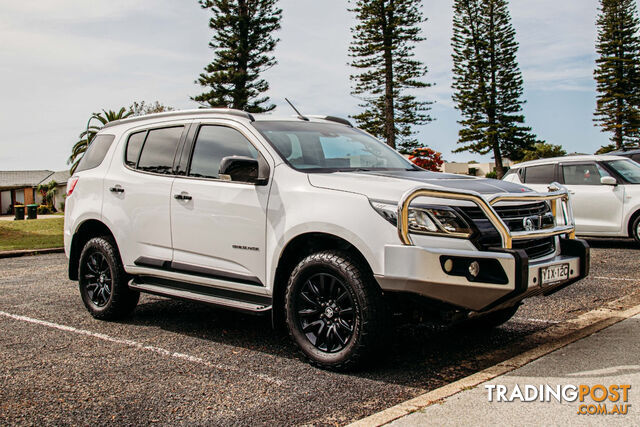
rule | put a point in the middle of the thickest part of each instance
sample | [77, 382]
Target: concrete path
[610, 357]
[10, 217]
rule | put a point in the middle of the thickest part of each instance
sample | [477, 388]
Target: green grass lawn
[31, 234]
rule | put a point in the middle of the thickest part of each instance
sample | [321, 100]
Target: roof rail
[333, 119]
[227, 111]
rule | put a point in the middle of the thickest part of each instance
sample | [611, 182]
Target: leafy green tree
[487, 81]
[80, 147]
[542, 150]
[606, 149]
[243, 40]
[617, 72]
[388, 74]
[142, 108]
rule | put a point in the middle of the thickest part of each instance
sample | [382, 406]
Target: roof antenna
[300, 116]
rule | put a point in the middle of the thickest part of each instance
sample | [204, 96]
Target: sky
[62, 60]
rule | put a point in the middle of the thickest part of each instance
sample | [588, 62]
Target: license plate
[554, 273]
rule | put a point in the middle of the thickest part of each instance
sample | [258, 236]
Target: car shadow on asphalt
[610, 243]
[421, 355]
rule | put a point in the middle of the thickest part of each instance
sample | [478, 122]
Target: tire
[635, 229]
[493, 319]
[335, 311]
[103, 281]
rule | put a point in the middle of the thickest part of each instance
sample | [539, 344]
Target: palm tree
[80, 147]
[48, 192]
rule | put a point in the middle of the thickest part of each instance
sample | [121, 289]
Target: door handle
[572, 192]
[182, 196]
[116, 189]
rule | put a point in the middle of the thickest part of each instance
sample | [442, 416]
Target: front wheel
[103, 281]
[493, 319]
[335, 311]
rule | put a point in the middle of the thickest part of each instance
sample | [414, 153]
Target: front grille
[536, 248]
[513, 216]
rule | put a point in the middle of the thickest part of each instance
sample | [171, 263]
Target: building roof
[61, 177]
[31, 178]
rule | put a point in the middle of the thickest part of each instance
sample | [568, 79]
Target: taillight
[71, 184]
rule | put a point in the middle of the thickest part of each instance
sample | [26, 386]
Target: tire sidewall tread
[123, 300]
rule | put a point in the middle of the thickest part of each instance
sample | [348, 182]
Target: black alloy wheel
[335, 311]
[325, 312]
[103, 281]
[99, 283]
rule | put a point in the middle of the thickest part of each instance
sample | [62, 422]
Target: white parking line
[140, 346]
[615, 278]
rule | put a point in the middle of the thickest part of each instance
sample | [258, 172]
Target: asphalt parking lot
[177, 362]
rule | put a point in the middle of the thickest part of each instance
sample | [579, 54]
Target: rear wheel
[335, 311]
[636, 229]
[103, 281]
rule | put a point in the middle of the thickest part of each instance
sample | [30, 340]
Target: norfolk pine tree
[243, 40]
[487, 81]
[384, 39]
[617, 72]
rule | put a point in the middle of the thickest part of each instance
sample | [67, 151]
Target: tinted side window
[582, 174]
[134, 145]
[159, 150]
[635, 157]
[212, 145]
[542, 174]
[95, 153]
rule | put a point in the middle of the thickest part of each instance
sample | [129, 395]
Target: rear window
[543, 174]
[159, 150]
[134, 145]
[96, 152]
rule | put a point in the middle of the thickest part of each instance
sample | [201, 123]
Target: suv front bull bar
[557, 194]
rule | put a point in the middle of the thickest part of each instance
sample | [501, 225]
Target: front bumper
[512, 278]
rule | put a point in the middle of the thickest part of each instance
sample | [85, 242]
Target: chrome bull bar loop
[557, 194]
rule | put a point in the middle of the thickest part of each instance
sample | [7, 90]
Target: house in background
[19, 187]
[472, 168]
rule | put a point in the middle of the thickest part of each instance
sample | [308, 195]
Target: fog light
[474, 269]
[448, 265]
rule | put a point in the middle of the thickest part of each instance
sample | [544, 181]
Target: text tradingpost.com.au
[596, 399]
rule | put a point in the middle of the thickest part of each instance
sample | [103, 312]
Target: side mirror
[608, 180]
[244, 169]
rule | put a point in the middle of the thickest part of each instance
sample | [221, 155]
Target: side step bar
[220, 297]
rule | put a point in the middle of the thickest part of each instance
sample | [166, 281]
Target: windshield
[629, 170]
[328, 147]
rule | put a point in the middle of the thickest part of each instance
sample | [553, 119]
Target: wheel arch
[294, 251]
[87, 230]
[632, 219]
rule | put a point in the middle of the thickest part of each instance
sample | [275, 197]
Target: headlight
[427, 220]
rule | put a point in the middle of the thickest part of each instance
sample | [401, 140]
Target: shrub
[43, 210]
[426, 158]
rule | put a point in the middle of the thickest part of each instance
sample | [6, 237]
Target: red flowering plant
[426, 158]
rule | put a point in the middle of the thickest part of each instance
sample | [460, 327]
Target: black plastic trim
[521, 276]
[491, 270]
[195, 270]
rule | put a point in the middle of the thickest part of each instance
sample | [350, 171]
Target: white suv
[605, 190]
[310, 220]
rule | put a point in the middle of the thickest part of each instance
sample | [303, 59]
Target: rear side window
[134, 145]
[215, 143]
[543, 174]
[159, 150]
[582, 174]
[96, 152]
